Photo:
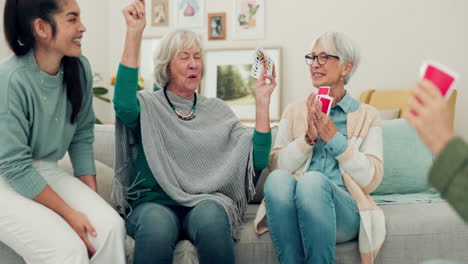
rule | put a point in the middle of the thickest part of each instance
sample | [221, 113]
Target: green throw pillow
[406, 159]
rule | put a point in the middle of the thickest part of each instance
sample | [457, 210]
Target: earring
[341, 78]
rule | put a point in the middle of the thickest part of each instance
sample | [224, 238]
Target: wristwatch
[309, 141]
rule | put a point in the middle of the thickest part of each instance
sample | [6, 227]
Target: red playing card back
[324, 90]
[326, 104]
[440, 78]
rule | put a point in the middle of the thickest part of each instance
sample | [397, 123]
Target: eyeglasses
[322, 58]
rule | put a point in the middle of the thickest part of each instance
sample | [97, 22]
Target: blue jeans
[157, 228]
[307, 217]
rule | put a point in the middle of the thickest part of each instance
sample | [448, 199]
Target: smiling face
[69, 29]
[328, 74]
[185, 69]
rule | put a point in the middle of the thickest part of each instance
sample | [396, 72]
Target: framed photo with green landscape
[228, 77]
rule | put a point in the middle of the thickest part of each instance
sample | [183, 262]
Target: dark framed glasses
[322, 58]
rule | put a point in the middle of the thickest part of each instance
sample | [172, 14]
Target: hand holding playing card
[430, 116]
[264, 87]
[325, 126]
[311, 129]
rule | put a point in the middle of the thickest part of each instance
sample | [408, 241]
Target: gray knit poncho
[207, 158]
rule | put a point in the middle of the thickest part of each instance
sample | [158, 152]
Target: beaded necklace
[188, 117]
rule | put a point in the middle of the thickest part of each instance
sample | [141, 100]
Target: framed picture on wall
[159, 13]
[227, 76]
[249, 19]
[217, 26]
[149, 47]
[158, 17]
[189, 13]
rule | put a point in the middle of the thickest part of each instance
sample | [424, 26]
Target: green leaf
[100, 91]
[242, 23]
[250, 6]
[241, 17]
[98, 121]
[253, 10]
[102, 98]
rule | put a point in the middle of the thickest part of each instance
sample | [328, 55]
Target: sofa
[420, 226]
[397, 99]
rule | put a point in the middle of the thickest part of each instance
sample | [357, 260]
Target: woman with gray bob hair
[325, 162]
[185, 164]
[171, 44]
[339, 44]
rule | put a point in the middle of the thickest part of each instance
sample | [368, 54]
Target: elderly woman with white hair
[323, 166]
[185, 165]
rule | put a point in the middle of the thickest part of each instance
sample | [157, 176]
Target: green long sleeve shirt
[127, 109]
[35, 123]
[449, 175]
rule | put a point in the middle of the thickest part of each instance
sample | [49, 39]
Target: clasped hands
[318, 123]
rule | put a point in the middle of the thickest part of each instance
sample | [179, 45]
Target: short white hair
[336, 43]
[171, 44]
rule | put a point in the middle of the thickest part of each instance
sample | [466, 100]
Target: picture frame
[248, 20]
[158, 17]
[189, 13]
[149, 46]
[228, 77]
[159, 13]
[216, 26]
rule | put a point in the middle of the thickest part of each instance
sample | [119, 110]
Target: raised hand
[325, 126]
[264, 87]
[263, 90]
[134, 15]
[430, 116]
[311, 129]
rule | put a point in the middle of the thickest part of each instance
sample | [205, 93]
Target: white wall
[4, 50]
[394, 37]
[96, 43]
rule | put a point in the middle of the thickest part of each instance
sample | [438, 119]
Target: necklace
[188, 117]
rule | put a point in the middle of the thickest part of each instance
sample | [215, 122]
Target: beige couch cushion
[103, 179]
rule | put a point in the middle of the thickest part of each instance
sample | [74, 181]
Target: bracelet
[309, 141]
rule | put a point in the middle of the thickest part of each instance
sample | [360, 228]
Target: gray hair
[340, 45]
[171, 44]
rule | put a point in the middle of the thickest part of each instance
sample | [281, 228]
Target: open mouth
[193, 76]
[77, 42]
[317, 74]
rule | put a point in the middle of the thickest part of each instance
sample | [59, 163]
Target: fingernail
[94, 234]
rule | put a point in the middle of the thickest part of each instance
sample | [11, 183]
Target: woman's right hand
[135, 15]
[312, 131]
[81, 225]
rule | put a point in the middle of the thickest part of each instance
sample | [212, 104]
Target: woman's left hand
[325, 126]
[264, 88]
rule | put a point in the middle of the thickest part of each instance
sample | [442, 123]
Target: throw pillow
[389, 114]
[406, 159]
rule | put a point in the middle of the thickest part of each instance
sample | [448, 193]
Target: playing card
[268, 64]
[327, 102]
[440, 75]
[324, 90]
[261, 60]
